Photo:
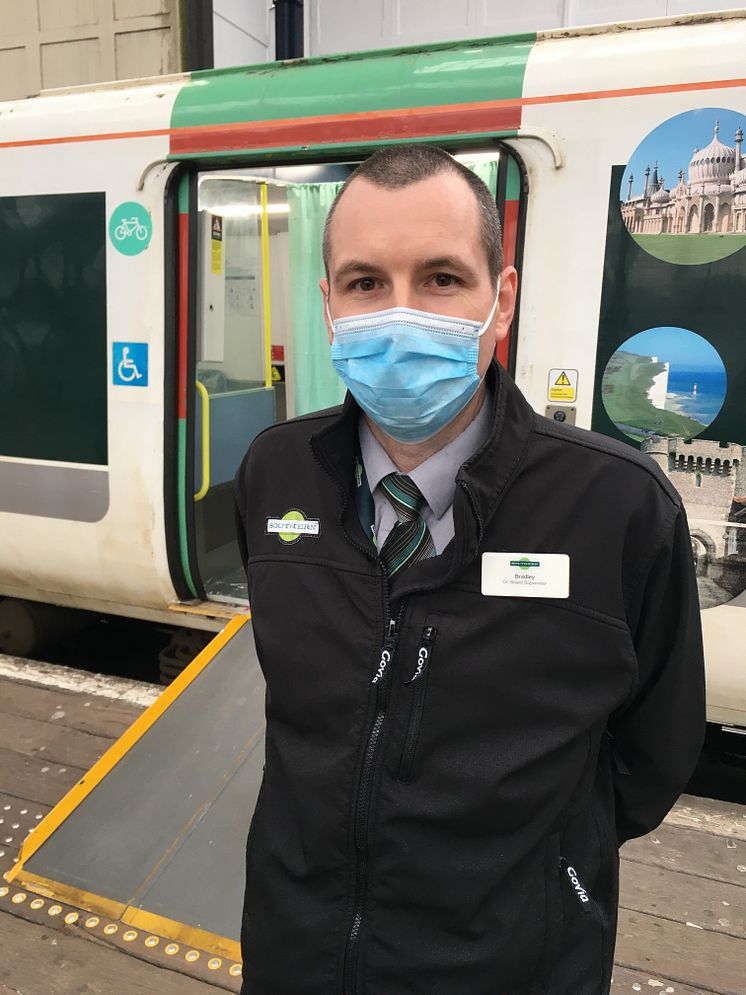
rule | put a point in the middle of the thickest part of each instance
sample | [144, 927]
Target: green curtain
[487, 173]
[315, 384]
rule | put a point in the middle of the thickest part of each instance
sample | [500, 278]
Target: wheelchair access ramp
[153, 836]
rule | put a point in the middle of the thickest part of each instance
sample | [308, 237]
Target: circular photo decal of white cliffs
[664, 381]
[683, 193]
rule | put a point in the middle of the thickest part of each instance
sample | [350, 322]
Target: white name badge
[526, 575]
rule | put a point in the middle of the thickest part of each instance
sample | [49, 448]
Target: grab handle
[201, 389]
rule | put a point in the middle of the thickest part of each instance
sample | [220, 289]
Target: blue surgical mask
[410, 371]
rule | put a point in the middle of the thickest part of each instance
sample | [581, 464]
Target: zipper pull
[387, 652]
[423, 653]
[586, 902]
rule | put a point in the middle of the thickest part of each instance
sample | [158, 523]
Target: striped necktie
[410, 540]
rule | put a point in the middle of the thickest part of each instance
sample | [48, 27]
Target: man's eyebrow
[432, 262]
[356, 266]
[446, 263]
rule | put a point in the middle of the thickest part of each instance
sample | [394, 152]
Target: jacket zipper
[418, 683]
[381, 681]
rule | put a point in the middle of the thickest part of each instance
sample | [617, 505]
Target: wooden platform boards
[682, 920]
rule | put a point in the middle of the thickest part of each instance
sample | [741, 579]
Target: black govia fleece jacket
[457, 834]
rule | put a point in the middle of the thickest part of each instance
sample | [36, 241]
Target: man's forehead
[447, 189]
[435, 217]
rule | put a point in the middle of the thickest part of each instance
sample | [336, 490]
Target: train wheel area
[111, 645]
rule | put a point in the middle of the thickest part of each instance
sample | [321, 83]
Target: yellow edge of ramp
[221, 946]
[114, 754]
[73, 896]
[170, 929]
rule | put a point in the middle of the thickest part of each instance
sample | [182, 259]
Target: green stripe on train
[512, 179]
[425, 76]
[183, 537]
[184, 195]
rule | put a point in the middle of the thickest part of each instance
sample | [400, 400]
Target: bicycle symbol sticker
[130, 228]
[130, 364]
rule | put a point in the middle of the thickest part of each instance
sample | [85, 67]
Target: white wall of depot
[350, 25]
[243, 32]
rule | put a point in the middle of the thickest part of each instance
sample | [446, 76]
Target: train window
[53, 328]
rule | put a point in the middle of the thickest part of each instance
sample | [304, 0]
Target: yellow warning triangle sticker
[562, 380]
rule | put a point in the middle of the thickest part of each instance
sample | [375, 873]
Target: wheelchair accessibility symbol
[130, 364]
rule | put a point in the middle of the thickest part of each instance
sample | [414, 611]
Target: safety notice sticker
[216, 239]
[563, 385]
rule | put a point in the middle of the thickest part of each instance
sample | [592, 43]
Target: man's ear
[505, 302]
[324, 285]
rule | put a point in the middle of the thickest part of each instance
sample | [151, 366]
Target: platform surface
[682, 921]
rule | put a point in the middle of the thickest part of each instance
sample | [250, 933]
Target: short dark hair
[401, 165]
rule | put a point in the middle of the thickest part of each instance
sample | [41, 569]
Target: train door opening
[254, 343]
[239, 225]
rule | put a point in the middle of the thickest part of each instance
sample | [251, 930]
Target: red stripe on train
[404, 123]
[183, 311]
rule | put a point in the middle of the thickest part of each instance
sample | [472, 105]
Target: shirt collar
[436, 477]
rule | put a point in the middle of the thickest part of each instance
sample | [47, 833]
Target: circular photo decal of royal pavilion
[683, 193]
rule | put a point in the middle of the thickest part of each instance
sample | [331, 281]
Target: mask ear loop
[491, 315]
[328, 313]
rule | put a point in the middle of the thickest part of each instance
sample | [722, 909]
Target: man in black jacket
[479, 630]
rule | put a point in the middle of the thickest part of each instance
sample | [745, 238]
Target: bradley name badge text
[526, 575]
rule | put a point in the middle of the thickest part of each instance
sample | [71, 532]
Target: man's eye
[444, 280]
[365, 283]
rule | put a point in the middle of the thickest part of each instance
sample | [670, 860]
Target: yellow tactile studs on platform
[11, 824]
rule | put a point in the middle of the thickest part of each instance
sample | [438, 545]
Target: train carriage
[159, 261]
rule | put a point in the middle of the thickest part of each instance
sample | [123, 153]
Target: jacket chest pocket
[416, 683]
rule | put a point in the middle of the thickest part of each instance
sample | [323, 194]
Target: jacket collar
[488, 473]
[334, 445]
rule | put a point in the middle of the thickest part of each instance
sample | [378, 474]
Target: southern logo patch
[293, 526]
